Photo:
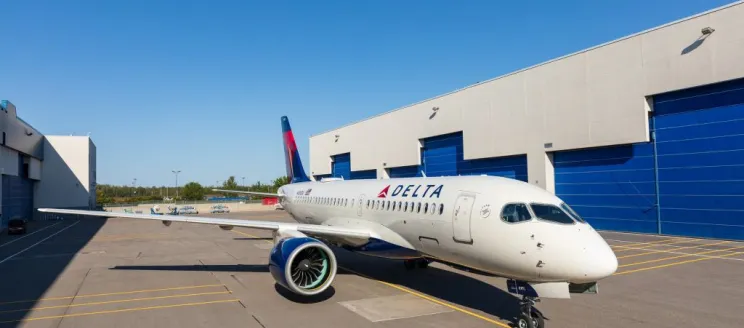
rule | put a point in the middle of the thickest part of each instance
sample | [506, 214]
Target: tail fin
[295, 172]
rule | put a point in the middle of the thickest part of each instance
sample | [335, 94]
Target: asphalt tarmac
[130, 273]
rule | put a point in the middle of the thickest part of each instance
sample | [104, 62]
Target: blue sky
[200, 86]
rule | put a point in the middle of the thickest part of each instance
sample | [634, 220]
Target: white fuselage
[458, 220]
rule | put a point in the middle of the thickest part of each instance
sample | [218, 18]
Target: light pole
[176, 172]
[243, 182]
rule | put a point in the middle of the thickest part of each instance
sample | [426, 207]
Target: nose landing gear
[530, 317]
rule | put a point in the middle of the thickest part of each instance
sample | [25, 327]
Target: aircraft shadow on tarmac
[254, 239]
[448, 286]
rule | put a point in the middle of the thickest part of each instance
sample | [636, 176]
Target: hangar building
[641, 134]
[42, 171]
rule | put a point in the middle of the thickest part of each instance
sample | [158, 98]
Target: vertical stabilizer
[295, 171]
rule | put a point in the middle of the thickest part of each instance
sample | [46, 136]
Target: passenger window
[426, 208]
[367, 203]
[551, 213]
[441, 209]
[513, 213]
[418, 207]
[433, 208]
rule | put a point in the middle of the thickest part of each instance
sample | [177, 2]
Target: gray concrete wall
[596, 97]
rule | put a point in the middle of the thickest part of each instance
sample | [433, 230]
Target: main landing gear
[416, 263]
[529, 316]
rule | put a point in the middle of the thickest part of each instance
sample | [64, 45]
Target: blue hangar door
[700, 152]
[443, 156]
[18, 198]
[341, 167]
[689, 181]
[613, 188]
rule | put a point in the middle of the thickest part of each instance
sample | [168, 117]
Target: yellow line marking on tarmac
[635, 244]
[403, 289]
[116, 301]
[678, 263]
[657, 244]
[118, 311]
[673, 249]
[114, 293]
[680, 256]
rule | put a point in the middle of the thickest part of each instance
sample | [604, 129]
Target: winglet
[295, 171]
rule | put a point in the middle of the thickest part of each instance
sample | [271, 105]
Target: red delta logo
[384, 192]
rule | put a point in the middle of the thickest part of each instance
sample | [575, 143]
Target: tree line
[113, 194]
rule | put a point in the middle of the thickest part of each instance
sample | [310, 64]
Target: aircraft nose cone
[602, 261]
[605, 265]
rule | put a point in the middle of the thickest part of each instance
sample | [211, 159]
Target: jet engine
[303, 265]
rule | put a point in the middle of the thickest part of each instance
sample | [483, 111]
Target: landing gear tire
[537, 321]
[409, 264]
[530, 317]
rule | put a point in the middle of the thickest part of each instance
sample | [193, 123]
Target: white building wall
[65, 173]
[592, 98]
[34, 169]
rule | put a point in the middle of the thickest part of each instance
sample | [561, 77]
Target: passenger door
[461, 218]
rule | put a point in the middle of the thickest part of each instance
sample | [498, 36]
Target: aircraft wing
[249, 192]
[339, 233]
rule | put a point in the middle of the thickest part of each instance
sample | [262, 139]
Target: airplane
[484, 224]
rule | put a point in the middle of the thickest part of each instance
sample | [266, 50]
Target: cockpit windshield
[572, 213]
[551, 213]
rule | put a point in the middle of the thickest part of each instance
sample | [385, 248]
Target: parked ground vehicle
[188, 209]
[16, 226]
[219, 208]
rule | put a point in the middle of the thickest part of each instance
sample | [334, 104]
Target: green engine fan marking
[323, 272]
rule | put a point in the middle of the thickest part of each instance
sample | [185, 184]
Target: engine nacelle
[303, 265]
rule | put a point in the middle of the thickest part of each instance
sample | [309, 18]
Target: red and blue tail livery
[295, 171]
